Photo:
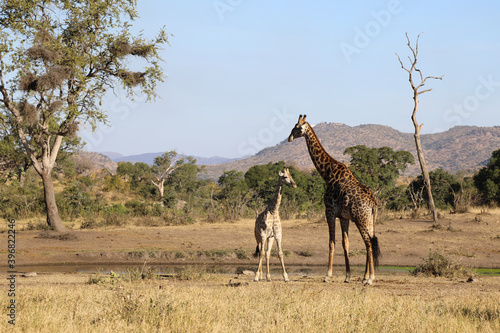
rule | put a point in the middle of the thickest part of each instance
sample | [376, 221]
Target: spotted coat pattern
[346, 199]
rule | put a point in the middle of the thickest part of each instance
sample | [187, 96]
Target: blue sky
[239, 72]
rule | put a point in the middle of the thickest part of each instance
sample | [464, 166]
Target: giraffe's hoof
[256, 280]
[347, 280]
[287, 280]
[368, 282]
[327, 279]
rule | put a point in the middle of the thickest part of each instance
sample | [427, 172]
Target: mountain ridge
[460, 148]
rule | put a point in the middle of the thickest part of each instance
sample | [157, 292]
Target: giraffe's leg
[268, 257]
[258, 274]
[344, 224]
[369, 267]
[278, 236]
[330, 219]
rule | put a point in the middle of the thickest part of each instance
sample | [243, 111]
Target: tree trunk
[53, 218]
[416, 92]
[421, 160]
[161, 188]
[425, 173]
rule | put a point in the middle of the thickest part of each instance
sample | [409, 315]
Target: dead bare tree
[418, 128]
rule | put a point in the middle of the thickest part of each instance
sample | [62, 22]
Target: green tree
[13, 160]
[487, 179]
[135, 173]
[185, 178]
[184, 181]
[57, 60]
[162, 168]
[263, 179]
[233, 194]
[139, 176]
[379, 169]
[443, 184]
[307, 197]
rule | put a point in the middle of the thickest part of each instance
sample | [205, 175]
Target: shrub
[75, 201]
[137, 208]
[37, 226]
[178, 217]
[437, 264]
[241, 254]
[115, 215]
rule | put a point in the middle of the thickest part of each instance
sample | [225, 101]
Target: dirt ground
[472, 239]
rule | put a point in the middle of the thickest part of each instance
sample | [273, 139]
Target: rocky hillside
[90, 161]
[460, 148]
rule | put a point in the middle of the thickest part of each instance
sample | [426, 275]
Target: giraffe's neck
[274, 206]
[329, 168]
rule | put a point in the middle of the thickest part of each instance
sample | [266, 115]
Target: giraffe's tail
[374, 240]
[256, 254]
[376, 251]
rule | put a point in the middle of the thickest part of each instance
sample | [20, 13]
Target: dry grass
[67, 304]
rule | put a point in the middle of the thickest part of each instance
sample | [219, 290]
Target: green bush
[115, 215]
[178, 217]
[75, 201]
[18, 201]
[437, 264]
[487, 180]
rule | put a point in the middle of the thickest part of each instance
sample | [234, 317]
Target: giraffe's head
[299, 129]
[287, 177]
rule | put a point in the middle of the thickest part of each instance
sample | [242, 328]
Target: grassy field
[196, 301]
[193, 300]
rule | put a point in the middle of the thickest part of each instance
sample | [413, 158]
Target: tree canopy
[378, 167]
[487, 180]
[57, 61]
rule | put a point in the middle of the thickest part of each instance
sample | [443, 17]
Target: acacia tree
[378, 168]
[418, 127]
[57, 60]
[163, 167]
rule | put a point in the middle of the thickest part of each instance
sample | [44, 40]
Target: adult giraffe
[345, 198]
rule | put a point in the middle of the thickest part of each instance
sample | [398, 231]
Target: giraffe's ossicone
[346, 199]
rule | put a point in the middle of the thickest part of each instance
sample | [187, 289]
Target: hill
[90, 161]
[459, 148]
[149, 158]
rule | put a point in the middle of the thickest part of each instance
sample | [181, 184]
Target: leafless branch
[413, 63]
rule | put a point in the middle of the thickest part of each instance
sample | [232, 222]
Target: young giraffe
[268, 227]
[345, 198]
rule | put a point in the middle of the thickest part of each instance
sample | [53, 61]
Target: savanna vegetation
[170, 191]
[57, 61]
[53, 76]
[197, 301]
